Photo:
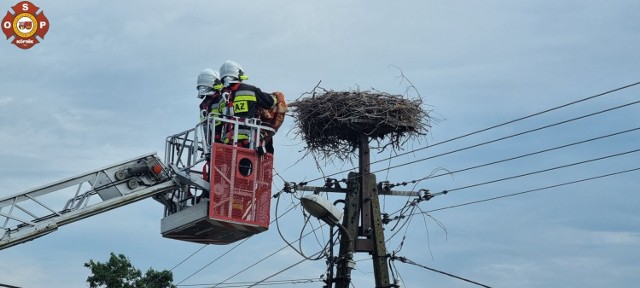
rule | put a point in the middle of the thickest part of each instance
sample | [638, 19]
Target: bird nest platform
[333, 123]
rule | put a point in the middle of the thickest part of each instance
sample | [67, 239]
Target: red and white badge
[25, 25]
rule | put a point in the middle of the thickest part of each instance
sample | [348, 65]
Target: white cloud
[613, 239]
[5, 101]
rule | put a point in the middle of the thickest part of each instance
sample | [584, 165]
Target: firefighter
[241, 99]
[209, 87]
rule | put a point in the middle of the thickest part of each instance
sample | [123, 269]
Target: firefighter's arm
[265, 100]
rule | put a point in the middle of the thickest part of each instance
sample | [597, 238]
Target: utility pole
[362, 206]
[368, 237]
[361, 222]
[350, 119]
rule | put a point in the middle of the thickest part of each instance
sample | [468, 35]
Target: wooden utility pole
[362, 206]
[362, 222]
[334, 122]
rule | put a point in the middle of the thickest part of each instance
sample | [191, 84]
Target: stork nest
[333, 123]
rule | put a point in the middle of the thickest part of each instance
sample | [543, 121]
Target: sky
[112, 79]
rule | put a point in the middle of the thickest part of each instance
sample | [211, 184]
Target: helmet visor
[205, 91]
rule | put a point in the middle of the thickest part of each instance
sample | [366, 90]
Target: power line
[405, 260]
[533, 190]
[299, 251]
[263, 259]
[510, 136]
[520, 156]
[250, 266]
[516, 120]
[212, 261]
[227, 252]
[275, 274]
[499, 197]
[181, 262]
[490, 128]
[412, 204]
[545, 170]
[246, 283]
[194, 253]
[456, 138]
[216, 259]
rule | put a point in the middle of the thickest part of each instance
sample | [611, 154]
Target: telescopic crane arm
[40, 211]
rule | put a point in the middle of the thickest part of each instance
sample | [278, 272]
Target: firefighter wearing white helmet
[231, 72]
[208, 83]
[241, 99]
[209, 87]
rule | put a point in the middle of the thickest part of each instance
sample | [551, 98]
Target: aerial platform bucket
[239, 201]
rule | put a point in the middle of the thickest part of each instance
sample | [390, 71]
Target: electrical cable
[395, 273]
[276, 274]
[181, 262]
[270, 255]
[517, 119]
[243, 241]
[492, 127]
[473, 133]
[194, 253]
[521, 156]
[534, 172]
[227, 252]
[545, 170]
[232, 248]
[513, 158]
[244, 284]
[405, 260]
[535, 190]
[406, 226]
[299, 239]
[413, 204]
[505, 160]
[263, 259]
[212, 261]
[250, 266]
[510, 136]
[525, 155]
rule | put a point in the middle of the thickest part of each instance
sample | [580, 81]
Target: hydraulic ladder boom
[37, 212]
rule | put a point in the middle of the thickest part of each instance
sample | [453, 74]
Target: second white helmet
[208, 82]
[231, 72]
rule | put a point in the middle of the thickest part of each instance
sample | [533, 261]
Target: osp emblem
[25, 25]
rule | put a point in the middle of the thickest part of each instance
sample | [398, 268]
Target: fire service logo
[25, 25]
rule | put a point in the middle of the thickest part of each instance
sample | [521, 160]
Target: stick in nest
[332, 122]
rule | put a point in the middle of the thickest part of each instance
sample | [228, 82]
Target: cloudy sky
[112, 79]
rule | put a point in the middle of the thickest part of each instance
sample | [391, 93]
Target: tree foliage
[118, 272]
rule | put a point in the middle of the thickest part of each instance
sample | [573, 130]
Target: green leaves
[119, 273]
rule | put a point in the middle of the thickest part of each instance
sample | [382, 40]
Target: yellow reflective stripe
[240, 137]
[245, 98]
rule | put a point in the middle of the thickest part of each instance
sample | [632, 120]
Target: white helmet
[231, 72]
[208, 82]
